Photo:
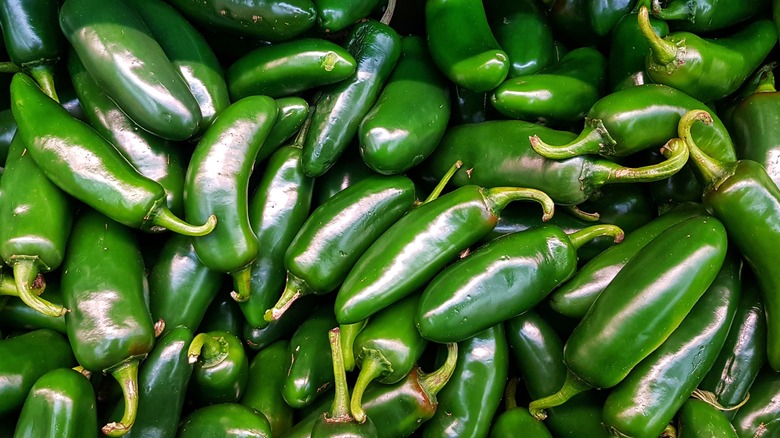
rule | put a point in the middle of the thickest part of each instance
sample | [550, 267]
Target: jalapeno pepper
[526, 18]
[420, 244]
[292, 115]
[224, 420]
[336, 15]
[514, 419]
[263, 391]
[760, 416]
[746, 199]
[348, 170]
[221, 368]
[641, 307]
[223, 314]
[701, 16]
[79, 161]
[698, 419]
[217, 182]
[258, 338]
[104, 287]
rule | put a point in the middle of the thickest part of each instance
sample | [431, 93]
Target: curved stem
[294, 288]
[339, 409]
[44, 76]
[662, 51]
[594, 139]
[127, 376]
[510, 400]
[711, 399]
[26, 275]
[572, 386]
[582, 215]
[675, 10]
[711, 169]
[585, 235]
[388, 15]
[373, 366]
[163, 217]
[433, 382]
[767, 82]
[242, 284]
[209, 349]
[348, 334]
[496, 198]
[608, 172]
[442, 183]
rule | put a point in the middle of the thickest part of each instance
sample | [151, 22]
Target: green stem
[663, 52]
[373, 366]
[209, 349]
[242, 284]
[675, 10]
[585, 235]
[127, 376]
[594, 139]
[26, 275]
[510, 399]
[443, 182]
[572, 386]
[609, 172]
[767, 83]
[348, 334]
[9, 67]
[388, 15]
[582, 215]
[294, 288]
[433, 382]
[339, 409]
[711, 169]
[711, 399]
[163, 217]
[497, 198]
[44, 76]
[669, 432]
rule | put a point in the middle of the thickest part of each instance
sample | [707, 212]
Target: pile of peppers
[389, 218]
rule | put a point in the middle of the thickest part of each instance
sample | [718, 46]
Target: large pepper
[104, 287]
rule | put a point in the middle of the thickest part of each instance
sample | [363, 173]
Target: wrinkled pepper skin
[221, 369]
[26, 358]
[107, 35]
[469, 401]
[698, 419]
[644, 403]
[470, 57]
[263, 392]
[401, 130]
[309, 374]
[760, 416]
[225, 420]
[61, 404]
[508, 20]
[289, 68]
[700, 16]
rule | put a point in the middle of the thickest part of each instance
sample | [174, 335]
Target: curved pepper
[309, 376]
[514, 418]
[221, 368]
[263, 391]
[79, 161]
[421, 243]
[526, 18]
[699, 16]
[760, 416]
[224, 420]
[290, 119]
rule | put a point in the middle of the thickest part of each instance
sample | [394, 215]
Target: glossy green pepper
[523, 31]
[416, 247]
[760, 416]
[645, 302]
[348, 170]
[700, 16]
[61, 404]
[108, 35]
[309, 375]
[263, 391]
[223, 314]
[224, 420]
[290, 119]
[514, 418]
[698, 419]
[258, 338]
[221, 368]
[217, 182]
[336, 15]
[79, 161]
[500, 280]
[629, 206]
[104, 287]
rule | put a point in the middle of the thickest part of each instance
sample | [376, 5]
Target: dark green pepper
[348, 170]
[292, 116]
[309, 375]
[700, 16]
[416, 247]
[224, 420]
[760, 416]
[223, 314]
[79, 161]
[645, 302]
[61, 404]
[514, 418]
[698, 419]
[263, 391]
[259, 338]
[217, 182]
[336, 15]
[221, 368]
[500, 280]
[523, 32]
[104, 287]
[629, 206]
[7, 132]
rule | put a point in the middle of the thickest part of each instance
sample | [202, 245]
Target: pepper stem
[433, 382]
[127, 376]
[767, 82]
[609, 172]
[339, 409]
[669, 432]
[348, 334]
[497, 198]
[510, 399]
[594, 139]
[443, 182]
[294, 288]
[711, 169]
[8, 286]
[572, 386]
[9, 67]
[242, 283]
[43, 75]
[163, 217]
[209, 349]
[577, 212]
[711, 399]
[26, 277]
[388, 15]
[373, 366]
[585, 235]
[663, 52]
[674, 10]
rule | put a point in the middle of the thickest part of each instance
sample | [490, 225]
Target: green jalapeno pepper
[701, 16]
[469, 106]
[26, 358]
[154, 157]
[401, 130]
[537, 350]
[420, 244]
[574, 297]
[263, 391]
[470, 57]
[32, 38]
[561, 93]
[499, 153]
[339, 108]
[644, 403]
[221, 368]
[502, 279]
[746, 199]
[706, 69]
[36, 217]
[698, 419]
[61, 404]
[743, 354]
[79, 161]
[629, 206]
[217, 182]
[348, 170]
[585, 23]
[259, 338]
[223, 314]
[289, 68]
[309, 376]
[224, 420]
[514, 419]
[278, 209]
[292, 115]
[760, 416]
[14, 314]
[109, 35]
[645, 302]
[468, 403]
[386, 349]
[104, 287]
[336, 15]
[509, 20]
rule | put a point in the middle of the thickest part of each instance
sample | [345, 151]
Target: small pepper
[515, 418]
[263, 391]
[221, 368]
